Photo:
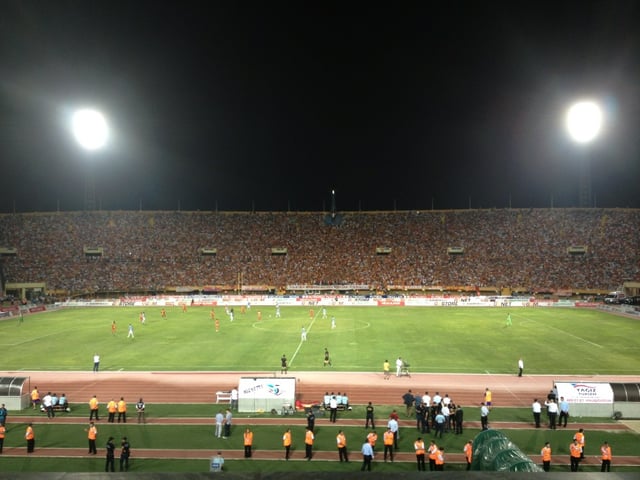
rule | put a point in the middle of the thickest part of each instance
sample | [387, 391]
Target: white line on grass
[301, 342]
[31, 339]
[565, 333]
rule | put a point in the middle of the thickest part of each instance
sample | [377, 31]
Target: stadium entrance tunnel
[494, 452]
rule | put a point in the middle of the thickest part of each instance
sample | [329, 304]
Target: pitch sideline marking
[565, 333]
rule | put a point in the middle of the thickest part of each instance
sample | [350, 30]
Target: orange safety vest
[579, 436]
[308, 437]
[468, 452]
[122, 406]
[606, 452]
[2, 431]
[372, 438]
[248, 438]
[93, 403]
[286, 439]
[111, 407]
[419, 447]
[433, 452]
[29, 435]
[440, 458]
[575, 450]
[546, 454]
[35, 395]
[93, 433]
[341, 440]
[388, 437]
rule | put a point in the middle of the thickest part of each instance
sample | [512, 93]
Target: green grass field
[472, 340]
[439, 339]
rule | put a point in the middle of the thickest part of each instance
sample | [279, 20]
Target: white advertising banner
[585, 392]
[266, 393]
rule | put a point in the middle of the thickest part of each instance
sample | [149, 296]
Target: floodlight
[90, 129]
[584, 121]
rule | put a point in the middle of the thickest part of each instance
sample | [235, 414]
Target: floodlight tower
[584, 122]
[90, 129]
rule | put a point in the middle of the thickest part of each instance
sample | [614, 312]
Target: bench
[57, 408]
[223, 397]
[341, 407]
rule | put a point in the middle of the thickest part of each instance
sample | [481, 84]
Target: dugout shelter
[601, 399]
[13, 392]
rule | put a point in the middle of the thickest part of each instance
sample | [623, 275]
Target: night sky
[271, 105]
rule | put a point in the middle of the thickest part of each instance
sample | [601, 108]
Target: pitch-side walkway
[297, 455]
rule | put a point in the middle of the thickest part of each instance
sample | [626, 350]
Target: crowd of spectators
[512, 248]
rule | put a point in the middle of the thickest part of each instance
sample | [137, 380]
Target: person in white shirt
[392, 425]
[48, 406]
[96, 363]
[536, 408]
[399, 364]
[552, 411]
[484, 416]
[426, 399]
[446, 412]
[219, 421]
[333, 407]
[234, 399]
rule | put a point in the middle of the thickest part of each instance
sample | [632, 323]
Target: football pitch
[432, 339]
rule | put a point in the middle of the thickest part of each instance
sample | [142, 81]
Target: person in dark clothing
[459, 417]
[426, 419]
[125, 453]
[109, 466]
[419, 415]
[369, 417]
[311, 420]
[408, 400]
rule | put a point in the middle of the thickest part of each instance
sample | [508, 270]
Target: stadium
[451, 277]
[334, 240]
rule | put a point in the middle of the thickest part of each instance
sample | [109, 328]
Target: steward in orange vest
[341, 442]
[440, 459]
[605, 452]
[122, 410]
[112, 408]
[248, 443]
[30, 436]
[468, 453]
[575, 452]
[286, 441]
[546, 457]
[388, 444]
[418, 446]
[308, 444]
[433, 453]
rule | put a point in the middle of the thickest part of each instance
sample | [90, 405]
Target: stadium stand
[522, 249]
